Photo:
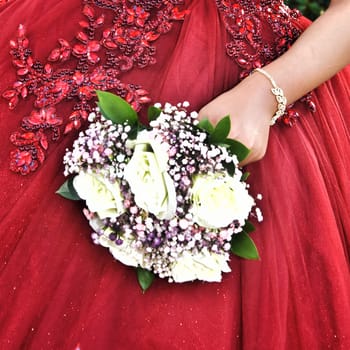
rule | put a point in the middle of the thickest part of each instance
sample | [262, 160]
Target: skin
[324, 49]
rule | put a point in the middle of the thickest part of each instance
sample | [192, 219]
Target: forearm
[320, 52]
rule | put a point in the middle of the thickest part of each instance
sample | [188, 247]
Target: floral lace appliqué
[248, 23]
[102, 52]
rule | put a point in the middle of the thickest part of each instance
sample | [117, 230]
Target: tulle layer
[59, 291]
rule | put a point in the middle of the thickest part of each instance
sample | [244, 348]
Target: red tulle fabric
[59, 291]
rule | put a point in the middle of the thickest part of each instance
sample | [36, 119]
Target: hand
[251, 106]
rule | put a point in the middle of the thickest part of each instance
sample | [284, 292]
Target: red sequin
[101, 57]
[245, 22]
[104, 51]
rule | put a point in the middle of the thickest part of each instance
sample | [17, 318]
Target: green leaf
[243, 246]
[68, 191]
[116, 109]
[153, 113]
[231, 168]
[134, 131]
[245, 176]
[238, 149]
[221, 130]
[145, 278]
[248, 227]
[205, 125]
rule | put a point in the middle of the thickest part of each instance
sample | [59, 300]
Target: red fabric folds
[59, 291]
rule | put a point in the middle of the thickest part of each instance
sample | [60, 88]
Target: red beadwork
[245, 21]
[103, 54]
[102, 57]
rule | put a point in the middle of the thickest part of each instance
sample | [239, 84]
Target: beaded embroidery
[125, 43]
[246, 21]
[104, 51]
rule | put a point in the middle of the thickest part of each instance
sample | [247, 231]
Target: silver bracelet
[279, 95]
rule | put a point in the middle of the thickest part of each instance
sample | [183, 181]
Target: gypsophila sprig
[168, 199]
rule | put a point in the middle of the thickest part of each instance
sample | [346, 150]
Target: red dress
[59, 291]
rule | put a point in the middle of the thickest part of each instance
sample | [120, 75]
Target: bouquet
[167, 198]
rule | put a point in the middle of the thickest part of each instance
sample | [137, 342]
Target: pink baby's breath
[150, 242]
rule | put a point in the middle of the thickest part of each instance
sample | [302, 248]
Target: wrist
[277, 91]
[259, 88]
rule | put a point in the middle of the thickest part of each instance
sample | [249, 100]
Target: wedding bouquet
[167, 198]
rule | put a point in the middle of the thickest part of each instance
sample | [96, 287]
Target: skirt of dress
[59, 291]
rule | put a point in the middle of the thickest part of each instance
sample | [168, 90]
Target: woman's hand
[251, 106]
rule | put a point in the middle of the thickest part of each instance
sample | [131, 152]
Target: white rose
[219, 199]
[204, 266]
[102, 196]
[147, 176]
[126, 253]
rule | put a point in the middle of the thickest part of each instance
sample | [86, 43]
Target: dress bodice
[112, 39]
